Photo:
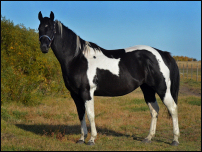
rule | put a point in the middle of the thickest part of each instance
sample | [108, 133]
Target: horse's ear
[51, 16]
[40, 16]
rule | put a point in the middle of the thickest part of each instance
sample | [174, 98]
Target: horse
[89, 70]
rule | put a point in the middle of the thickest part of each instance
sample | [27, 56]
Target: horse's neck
[64, 52]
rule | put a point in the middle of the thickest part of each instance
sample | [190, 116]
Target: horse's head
[46, 31]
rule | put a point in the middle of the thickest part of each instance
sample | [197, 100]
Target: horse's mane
[81, 45]
[60, 26]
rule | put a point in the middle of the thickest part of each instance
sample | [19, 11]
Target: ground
[122, 123]
[190, 91]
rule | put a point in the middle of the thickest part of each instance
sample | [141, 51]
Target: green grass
[122, 123]
[190, 83]
[135, 109]
[194, 101]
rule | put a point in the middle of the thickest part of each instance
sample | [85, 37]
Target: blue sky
[169, 26]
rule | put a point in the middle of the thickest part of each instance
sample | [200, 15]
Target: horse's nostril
[44, 48]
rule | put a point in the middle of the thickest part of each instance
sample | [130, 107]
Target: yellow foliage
[183, 58]
[24, 69]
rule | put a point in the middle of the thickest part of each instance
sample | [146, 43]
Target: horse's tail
[175, 82]
[174, 76]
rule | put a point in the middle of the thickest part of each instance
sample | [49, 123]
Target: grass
[122, 123]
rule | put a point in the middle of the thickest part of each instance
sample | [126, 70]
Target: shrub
[25, 71]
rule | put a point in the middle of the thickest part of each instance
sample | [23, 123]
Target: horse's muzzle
[44, 48]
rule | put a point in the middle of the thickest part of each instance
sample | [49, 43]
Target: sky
[173, 26]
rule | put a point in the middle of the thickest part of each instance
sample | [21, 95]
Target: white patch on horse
[172, 107]
[84, 131]
[154, 109]
[89, 105]
[97, 60]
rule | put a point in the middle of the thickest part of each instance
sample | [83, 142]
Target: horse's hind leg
[149, 95]
[89, 104]
[172, 107]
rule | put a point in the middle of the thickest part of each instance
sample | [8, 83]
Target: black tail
[175, 81]
[174, 76]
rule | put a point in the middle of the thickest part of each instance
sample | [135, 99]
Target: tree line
[184, 58]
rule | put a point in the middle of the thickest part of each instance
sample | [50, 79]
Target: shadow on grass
[75, 129]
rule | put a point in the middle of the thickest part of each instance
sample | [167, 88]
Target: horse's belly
[110, 92]
[108, 84]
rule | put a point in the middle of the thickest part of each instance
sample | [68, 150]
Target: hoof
[90, 143]
[174, 143]
[80, 142]
[146, 141]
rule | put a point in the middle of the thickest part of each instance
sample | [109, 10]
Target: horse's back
[132, 70]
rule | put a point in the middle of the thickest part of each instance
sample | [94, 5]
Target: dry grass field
[122, 122]
[190, 69]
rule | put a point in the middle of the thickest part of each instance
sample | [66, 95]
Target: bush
[25, 72]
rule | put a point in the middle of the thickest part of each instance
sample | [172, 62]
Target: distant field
[122, 123]
[191, 71]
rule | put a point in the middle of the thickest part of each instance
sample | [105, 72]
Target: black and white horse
[90, 70]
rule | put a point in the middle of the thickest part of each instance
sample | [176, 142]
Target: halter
[54, 31]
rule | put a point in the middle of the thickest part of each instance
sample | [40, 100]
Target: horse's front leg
[84, 131]
[81, 112]
[89, 104]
